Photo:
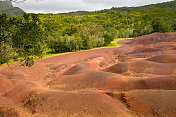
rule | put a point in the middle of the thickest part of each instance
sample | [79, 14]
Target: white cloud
[55, 6]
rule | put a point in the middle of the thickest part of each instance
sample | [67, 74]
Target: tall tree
[21, 39]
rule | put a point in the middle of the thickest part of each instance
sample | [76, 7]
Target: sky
[61, 6]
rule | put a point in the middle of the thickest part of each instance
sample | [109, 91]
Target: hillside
[7, 7]
[171, 4]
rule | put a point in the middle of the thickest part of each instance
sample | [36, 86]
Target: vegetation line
[113, 44]
[49, 54]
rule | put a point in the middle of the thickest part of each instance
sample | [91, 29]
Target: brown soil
[136, 79]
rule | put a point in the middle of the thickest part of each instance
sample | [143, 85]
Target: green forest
[27, 37]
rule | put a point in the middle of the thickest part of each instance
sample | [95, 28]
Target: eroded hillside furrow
[137, 79]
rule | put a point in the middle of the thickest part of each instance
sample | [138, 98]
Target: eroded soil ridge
[136, 79]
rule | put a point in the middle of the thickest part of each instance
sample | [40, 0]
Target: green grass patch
[114, 43]
[50, 54]
[10, 62]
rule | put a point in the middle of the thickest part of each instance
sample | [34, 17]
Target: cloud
[57, 6]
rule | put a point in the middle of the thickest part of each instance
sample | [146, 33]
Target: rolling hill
[170, 4]
[7, 7]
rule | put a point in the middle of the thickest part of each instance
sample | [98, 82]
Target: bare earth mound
[74, 104]
[163, 59]
[137, 79]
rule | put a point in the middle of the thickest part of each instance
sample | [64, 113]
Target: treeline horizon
[71, 33]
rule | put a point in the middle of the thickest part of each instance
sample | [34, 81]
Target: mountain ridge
[170, 4]
[9, 9]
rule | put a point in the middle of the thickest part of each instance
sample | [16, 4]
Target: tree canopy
[20, 39]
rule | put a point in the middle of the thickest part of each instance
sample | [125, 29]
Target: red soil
[141, 67]
[121, 84]
[152, 102]
[4, 85]
[164, 58]
[74, 104]
[86, 79]
[22, 89]
[136, 79]
[154, 38]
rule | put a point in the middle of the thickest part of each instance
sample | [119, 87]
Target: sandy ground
[137, 79]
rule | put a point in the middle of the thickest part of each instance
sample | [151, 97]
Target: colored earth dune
[137, 79]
